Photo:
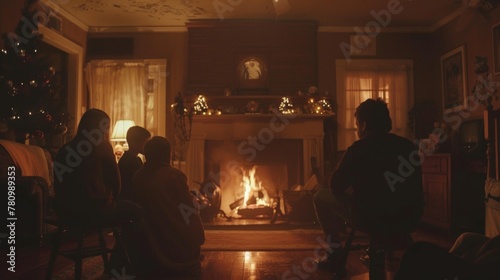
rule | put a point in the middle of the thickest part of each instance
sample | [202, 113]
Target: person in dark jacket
[377, 185]
[172, 232]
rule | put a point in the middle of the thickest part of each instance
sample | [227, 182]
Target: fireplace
[254, 191]
[279, 149]
[275, 168]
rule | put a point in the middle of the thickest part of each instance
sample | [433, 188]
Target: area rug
[264, 240]
[92, 269]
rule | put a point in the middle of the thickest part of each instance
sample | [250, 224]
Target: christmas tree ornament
[44, 78]
[13, 91]
[59, 129]
[38, 134]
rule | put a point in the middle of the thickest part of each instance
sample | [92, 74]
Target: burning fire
[254, 188]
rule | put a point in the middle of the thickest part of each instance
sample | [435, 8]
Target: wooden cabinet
[436, 179]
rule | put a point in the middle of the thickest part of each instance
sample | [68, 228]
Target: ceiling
[109, 14]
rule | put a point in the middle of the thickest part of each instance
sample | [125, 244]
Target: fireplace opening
[254, 189]
[254, 192]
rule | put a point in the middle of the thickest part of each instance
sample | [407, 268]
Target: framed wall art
[453, 75]
[251, 72]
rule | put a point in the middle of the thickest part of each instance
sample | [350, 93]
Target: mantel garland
[183, 119]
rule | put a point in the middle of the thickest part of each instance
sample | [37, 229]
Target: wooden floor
[31, 263]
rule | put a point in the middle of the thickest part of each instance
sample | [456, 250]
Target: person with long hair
[87, 179]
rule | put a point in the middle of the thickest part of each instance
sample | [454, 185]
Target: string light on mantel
[200, 106]
[324, 107]
[286, 106]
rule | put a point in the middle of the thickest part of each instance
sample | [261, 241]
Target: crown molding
[442, 22]
[60, 11]
[52, 4]
[447, 19]
[344, 29]
[323, 29]
[134, 29]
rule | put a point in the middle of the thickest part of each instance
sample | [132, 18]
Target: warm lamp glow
[120, 130]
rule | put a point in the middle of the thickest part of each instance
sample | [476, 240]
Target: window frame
[341, 65]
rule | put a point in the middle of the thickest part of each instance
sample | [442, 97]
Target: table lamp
[120, 136]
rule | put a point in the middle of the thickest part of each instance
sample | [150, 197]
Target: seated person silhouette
[130, 162]
[86, 175]
[473, 256]
[377, 186]
[87, 179]
[172, 232]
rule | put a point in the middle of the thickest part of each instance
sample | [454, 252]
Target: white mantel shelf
[232, 117]
[266, 127]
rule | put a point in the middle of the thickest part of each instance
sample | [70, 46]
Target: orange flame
[251, 185]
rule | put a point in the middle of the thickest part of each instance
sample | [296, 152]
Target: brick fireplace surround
[250, 134]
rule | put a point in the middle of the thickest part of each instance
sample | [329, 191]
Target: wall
[468, 180]
[477, 39]
[10, 15]
[389, 46]
[216, 49]
[424, 49]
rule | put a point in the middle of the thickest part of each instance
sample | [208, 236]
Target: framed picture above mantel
[454, 80]
[251, 73]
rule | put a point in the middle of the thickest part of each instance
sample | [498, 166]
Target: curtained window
[129, 90]
[360, 80]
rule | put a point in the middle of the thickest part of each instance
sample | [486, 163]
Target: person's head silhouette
[157, 150]
[372, 117]
[136, 138]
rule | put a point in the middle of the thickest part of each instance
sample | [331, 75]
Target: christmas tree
[31, 102]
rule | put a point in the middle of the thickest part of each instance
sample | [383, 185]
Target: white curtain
[361, 82]
[119, 89]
